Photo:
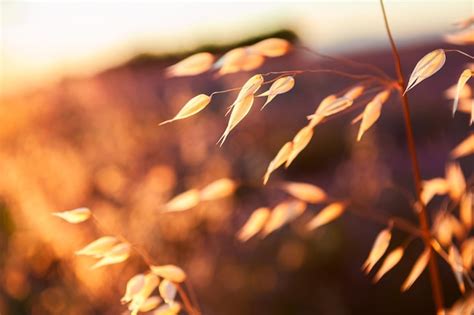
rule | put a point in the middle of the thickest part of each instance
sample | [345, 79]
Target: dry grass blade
[417, 269]
[98, 247]
[466, 147]
[271, 47]
[240, 109]
[119, 253]
[218, 189]
[463, 78]
[183, 201]
[254, 224]
[456, 181]
[426, 67]
[74, 216]
[432, 187]
[278, 160]
[305, 192]
[300, 141]
[455, 260]
[192, 107]
[283, 213]
[170, 272]
[378, 249]
[280, 86]
[392, 259]
[327, 215]
[192, 65]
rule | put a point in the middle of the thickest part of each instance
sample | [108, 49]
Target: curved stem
[331, 71]
[384, 81]
[459, 52]
[347, 61]
[399, 223]
[422, 213]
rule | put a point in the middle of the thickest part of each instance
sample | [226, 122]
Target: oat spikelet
[239, 111]
[119, 253]
[183, 201]
[305, 192]
[327, 215]
[300, 141]
[463, 78]
[98, 247]
[254, 224]
[192, 107]
[74, 216]
[171, 272]
[271, 47]
[283, 213]
[278, 160]
[378, 249]
[280, 86]
[134, 285]
[466, 147]
[456, 181]
[167, 290]
[192, 65]
[432, 187]
[417, 269]
[218, 189]
[426, 67]
[392, 259]
[372, 112]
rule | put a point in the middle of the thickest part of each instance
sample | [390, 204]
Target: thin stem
[332, 71]
[460, 52]
[347, 61]
[422, 213]
[187, 303]
[385, 81]
[396, 222]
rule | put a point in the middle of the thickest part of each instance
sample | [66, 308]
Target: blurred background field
[79, 121]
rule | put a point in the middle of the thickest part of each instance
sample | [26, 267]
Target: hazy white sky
[44, 40]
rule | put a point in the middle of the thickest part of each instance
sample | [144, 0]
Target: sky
[43, 41]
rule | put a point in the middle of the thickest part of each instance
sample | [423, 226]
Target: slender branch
[331, 71]
[460, 52]
[384, 81]
[346, 61]
[396, 222]
[422, 214]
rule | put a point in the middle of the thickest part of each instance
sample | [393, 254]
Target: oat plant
[447, 234]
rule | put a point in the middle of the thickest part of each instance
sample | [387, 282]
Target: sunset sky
[43, 41]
